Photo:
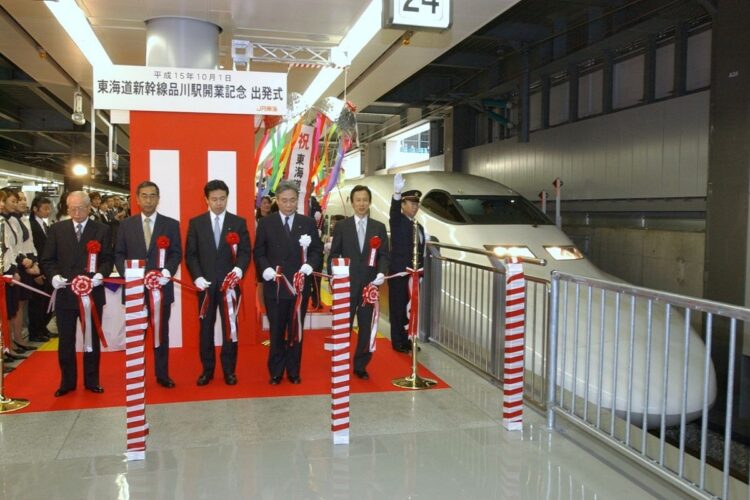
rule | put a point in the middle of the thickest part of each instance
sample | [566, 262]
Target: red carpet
[37, 378]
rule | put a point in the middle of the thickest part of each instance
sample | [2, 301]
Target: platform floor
[441, 444]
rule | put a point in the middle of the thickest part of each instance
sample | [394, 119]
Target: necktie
[217, 231]
[361, 233]
[287, 227]
[45, 227]
[147, 231]
[79, 231]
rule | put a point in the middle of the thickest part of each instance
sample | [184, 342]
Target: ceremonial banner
[299, 166]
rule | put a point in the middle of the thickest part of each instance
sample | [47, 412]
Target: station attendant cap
[411, 195]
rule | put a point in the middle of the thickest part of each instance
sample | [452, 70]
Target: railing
[630, 366]
[464, 313]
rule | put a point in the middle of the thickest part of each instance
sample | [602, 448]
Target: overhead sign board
[417, 14]
[188, 90]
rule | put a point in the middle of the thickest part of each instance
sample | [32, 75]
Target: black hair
[215, 184]
[360, 187]
[146, 184]
[39, 201]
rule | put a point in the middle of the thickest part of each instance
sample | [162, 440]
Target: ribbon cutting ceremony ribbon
[153, 285]
[231, 305]
[412, 309]
[371, 295]
[82, 286]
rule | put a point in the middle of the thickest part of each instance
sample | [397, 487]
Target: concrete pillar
[179, 42]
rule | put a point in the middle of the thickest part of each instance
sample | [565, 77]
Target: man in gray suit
[351, 240]
[210, 260]
[137, 239]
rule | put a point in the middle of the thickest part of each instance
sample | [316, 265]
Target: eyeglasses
[286, 200]
[78, 209]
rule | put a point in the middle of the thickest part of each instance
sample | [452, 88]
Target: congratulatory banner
[147, 88]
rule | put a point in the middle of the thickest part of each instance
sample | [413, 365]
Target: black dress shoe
[403, 349]
[97, 389]
[61, 392]
[38, 338]
[204, 379]
[295, 380]
[275, 381]
[165, 382]
[362, 374]
[230, 379]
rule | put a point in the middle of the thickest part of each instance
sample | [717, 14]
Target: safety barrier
[633, 367]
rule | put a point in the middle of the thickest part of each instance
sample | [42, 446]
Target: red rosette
[374, 245]
[151, 280]
[232, 238]
[298, 282]
[82, 285]
[93, 246]
[231, 280]
[370, 294]
[162, 242]
[375, 242]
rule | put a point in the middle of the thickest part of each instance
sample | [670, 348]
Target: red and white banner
[515, 325]
[180, 152]
[136, 322]
[339, 344]
[299, 166]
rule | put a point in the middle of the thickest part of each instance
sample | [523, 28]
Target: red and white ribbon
[374, 245]
[412, 308]
[515, 322]
[371, 295]
[81, 286]
[231, 305]
[162, 243]
[339, 344]
[152, 284]
[136, 322]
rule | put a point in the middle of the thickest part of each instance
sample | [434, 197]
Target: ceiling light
[79, 170]
[364, 29]
[74, 21]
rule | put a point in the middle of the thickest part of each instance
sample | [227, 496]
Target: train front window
[500, 210]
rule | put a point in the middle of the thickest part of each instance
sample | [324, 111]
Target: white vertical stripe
[222, 165]
[164, 170]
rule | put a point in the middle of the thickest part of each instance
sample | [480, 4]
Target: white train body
[599, 346]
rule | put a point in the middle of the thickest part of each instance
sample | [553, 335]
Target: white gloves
[398, 183]
[306, 269]
[201, 283]
[269, 274]
[97, 279]
[165, 275]
[238, 272]
[379, 279]
[327, 247]
[58, 282]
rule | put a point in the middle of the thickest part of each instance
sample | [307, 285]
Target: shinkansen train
[472, 211]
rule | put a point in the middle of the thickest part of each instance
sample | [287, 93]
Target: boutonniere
[374, 245]
[162, 243]
[93, 247]
[304, 242]
[233, 239]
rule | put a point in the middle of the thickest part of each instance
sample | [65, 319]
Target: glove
[269, 274]
[398, 183]
[58, 282]
[379, 279]
[306, 269]
[97, 279]
[327, 247]
[201, 283]
[165, 275]
[238, 272]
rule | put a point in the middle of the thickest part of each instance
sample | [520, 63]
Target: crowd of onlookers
[26, 226]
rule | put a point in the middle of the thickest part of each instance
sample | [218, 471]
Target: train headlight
[503, 251]
[567, 252]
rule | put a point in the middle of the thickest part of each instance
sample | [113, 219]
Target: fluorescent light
[74, 21]
[364, 29]
[80, 170]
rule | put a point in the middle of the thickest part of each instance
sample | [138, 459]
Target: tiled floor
[439, 444]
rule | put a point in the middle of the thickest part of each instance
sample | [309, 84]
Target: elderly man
[278, 243]
[72, 246]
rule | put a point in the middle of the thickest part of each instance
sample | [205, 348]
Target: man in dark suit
[277, 243]
[404, 208]
[137, 239]
[209, 259]
[65, 257]
[41, 207]
[351, 240]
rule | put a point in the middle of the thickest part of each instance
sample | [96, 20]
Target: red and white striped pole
[136, 322]
[515, 322]
[339, 344]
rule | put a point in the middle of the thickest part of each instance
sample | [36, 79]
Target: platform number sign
[417, 14]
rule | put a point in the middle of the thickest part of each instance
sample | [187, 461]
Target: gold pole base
[414, 382]
[8, 405]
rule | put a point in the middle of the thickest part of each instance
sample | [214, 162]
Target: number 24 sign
[417, 14]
